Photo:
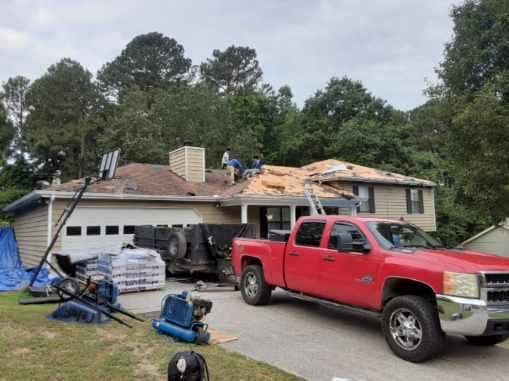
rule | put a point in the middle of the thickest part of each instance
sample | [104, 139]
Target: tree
[234, 71]
[15, 90]
[149, 61]
[61, 129]
[6, 133]
[479, 51]
[328, 110]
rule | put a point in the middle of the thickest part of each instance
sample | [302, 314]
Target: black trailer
[201, 248]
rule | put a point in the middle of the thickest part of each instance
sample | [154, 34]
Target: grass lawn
[35, 348]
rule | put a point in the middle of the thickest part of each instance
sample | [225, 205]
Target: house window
[73, 230]
[129, 229]
[366, 194]
[414, 201]
[111, 230]
[278, 219]
[310, 234]
[93, 230]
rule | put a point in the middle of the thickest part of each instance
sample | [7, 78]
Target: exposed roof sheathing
[352, 172]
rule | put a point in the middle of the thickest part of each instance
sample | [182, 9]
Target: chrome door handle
[329, 258]
[293, 254]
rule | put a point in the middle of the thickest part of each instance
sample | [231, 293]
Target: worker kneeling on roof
[235, 170]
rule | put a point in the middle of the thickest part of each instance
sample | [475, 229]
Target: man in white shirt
[226, 158]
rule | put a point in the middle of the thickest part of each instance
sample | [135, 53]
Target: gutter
[424, 183]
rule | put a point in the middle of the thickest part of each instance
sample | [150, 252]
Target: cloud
[392, 46]
[13, 39]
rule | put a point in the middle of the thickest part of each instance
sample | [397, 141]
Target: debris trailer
[200, 248]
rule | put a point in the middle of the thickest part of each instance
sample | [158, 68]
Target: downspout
[50, 222]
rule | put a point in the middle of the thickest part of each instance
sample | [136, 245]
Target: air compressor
[182, 317]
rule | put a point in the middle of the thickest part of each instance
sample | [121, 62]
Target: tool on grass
[101, 296]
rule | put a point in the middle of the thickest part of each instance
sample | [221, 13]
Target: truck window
[310, 234]
[358, 239]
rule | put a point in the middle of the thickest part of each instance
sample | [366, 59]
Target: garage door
[98, 229]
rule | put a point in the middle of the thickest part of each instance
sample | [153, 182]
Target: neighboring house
[494, 240]
[186, 193]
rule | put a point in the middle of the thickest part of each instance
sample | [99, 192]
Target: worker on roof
[235, 170]
[226, 158]
[256, 167]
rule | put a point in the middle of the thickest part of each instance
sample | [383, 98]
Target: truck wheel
[412, 329]
[253, 288]
[486, 340]
[177, 244]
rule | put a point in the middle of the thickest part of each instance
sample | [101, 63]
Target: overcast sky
[392, 46]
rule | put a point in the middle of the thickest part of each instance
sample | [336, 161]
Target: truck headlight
[461, 284]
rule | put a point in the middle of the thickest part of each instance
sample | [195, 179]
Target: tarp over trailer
[12, 273]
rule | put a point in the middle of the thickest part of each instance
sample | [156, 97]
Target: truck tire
[253, 288]
[412, 329]
[486, 340]
[177, 244]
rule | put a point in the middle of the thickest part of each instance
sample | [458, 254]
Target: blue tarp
[13, 275]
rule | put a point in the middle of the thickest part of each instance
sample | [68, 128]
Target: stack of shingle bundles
[134, 270]
[87, 269]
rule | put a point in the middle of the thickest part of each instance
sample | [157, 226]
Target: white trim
[479, 235]
[293, 215]
[204, 169]
[244, 214]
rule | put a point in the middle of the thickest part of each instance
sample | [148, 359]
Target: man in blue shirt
[235, 170]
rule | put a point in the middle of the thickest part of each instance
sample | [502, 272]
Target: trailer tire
[255, 291]
[412, 329]
[177, 244]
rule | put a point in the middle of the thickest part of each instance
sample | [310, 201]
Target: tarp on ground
[13, 275]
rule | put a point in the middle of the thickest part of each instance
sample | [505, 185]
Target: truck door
[349, 276]
[303, 258]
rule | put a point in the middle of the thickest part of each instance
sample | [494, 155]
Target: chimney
[189, 163]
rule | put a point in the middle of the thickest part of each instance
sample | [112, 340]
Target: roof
[502, 225]
[337, 170]
[157, 182]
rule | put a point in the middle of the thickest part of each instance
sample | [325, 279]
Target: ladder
[315, 206]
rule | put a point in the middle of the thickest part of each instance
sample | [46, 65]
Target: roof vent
[333, 169]
[189, 163]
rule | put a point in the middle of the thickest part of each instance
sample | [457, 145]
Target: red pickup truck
[420, 290]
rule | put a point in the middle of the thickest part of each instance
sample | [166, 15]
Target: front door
[349, 277]
[303, 260]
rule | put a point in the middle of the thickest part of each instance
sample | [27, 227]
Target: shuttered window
[366, 194]
[415, 201]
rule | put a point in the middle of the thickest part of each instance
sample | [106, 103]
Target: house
[186, 193]
[494, 240]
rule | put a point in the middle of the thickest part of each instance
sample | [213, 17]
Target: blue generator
[182, 318]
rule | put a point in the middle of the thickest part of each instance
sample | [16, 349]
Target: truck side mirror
[344, 242]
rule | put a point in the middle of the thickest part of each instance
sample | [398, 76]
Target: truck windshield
[392, 235]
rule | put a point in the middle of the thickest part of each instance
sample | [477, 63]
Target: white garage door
[98, 229]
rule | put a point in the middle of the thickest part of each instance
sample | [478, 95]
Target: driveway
[320, 343]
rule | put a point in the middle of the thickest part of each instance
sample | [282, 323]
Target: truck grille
[497, 280]
[497, 288]
[495, 297]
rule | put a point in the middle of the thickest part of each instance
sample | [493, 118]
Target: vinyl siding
[390, 202]
[31, 230]
[189, 163]
[493, 242]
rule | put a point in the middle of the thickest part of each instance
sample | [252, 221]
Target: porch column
[293, 215]
[243, 214]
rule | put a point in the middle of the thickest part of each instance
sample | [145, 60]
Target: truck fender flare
[396, 285]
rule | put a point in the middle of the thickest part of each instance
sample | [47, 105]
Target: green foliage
[234, 71]
[61, 131]
[148, 62]
[328, 110]
[479, 50]
[15, 90]
[6, 133]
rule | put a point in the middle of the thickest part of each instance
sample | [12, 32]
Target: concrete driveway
[319, 343]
